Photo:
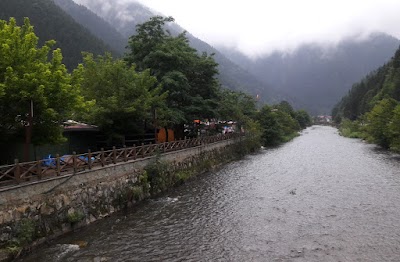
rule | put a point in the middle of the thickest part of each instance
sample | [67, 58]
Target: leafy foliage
[394, 129]
[236, 106]
[303, 118]
[352, 129]
[378, 122]
[174, 82]
[29, 74]
[188, 78]
[373, 103]
[279, 123]
[122, 98]
[231, 75]
[51, 22]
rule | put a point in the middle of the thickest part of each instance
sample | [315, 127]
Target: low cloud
[258, 27]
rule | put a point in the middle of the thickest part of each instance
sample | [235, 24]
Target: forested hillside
[96, 25]
[51, 22]
[124, 17]
[162, 83]
[371, 109]
[381, 83]
[317, 76]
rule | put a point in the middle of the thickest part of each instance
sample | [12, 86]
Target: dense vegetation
[33, 75]
[230, 75]
[95, 24]
[280, 123]
[51, 22]
[371, 110]
[161, 76]
[317, 76]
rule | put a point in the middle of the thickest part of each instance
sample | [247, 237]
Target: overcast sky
[258, 26]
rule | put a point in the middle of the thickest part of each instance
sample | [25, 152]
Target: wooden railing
[75, 163]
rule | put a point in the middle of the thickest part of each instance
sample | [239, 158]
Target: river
[320, 197]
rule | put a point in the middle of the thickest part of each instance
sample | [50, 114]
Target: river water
[320, 197]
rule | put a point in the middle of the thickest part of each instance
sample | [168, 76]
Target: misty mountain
[95, 24]
[317, 76]
[364, 95]
[124, 16]
[51, 22]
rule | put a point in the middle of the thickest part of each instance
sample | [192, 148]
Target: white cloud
[255, 26]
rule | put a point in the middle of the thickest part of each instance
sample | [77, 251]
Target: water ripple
[321, 197]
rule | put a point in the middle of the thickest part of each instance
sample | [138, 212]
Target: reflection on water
[321, 197]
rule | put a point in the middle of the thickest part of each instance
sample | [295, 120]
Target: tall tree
[303, 118]
[378, 120]
[189, 78]
[32, 77]
[394, 129]
[123, 99]
[236, 106]
[271, 131]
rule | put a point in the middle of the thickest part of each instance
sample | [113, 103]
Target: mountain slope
[124, 16]
[318, 76]
[379, 84]
[51, 22]
[95, 24]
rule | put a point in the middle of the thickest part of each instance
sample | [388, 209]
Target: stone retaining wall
[37, 212]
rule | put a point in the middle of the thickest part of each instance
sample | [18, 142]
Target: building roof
[72, 125]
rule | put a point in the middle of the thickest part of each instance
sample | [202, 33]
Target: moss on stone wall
[73, 206]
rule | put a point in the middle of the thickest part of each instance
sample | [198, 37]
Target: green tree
[277, 124]
[123, 99]
[377, 122]
[288, 125]
[284, 106]
[271, 131]
[189, 78]
[394, 129]
[237, 106]
[32, 75]
[303, 118]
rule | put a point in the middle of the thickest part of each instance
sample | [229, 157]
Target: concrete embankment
[32, 214]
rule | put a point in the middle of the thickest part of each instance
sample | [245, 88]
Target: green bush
[25, 231]
[75, 217]
[137, 193]
[351, 129]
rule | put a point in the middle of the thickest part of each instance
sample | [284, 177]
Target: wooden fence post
[17, 171]
[125, 154]
[114, 155]
[58, 171]
[134, 152]
[74, 163]
[90, 159]
[143, 154]
[39, 169]
[102, 157]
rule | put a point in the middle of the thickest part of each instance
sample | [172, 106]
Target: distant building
[323, 119]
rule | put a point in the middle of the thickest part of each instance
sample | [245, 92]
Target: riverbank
[320, 197]
[43, 211]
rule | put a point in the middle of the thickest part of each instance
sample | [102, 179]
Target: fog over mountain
[317, 76]
[309, 54]
[125, 15]
[259, 27]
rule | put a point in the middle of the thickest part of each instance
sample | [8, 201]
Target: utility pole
[28, 133]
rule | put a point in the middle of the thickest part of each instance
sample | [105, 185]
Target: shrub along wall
[32, 214]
